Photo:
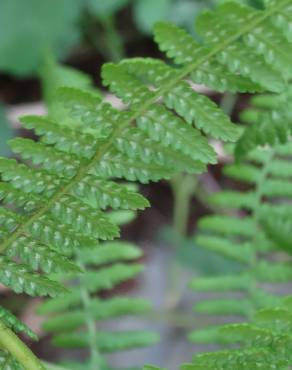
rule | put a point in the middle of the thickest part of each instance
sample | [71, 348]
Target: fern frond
[265, 342]
[71, 313]
[69, 164]
[56, 194]
[257, 226]
[194, 108]
[233, 35]
[110, 150]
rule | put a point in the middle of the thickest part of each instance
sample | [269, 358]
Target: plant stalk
[228, 102]
[183, 188]
[258, 198]
[18, 349]
[96, 360]
[114, 47]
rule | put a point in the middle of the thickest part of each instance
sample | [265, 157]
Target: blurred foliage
[30, 26]
[6, 132]
[192, 256]
[255, 3]
[147, 12]
[59, 25]
[181, 12]
[105, 8]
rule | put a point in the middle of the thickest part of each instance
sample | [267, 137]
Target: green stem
[50, 366]
[96, 360]
[18, 349]
[114, 47]
[252, 291]
[228, 102]
[183, 188]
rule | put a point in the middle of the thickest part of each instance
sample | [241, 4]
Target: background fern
[265, 342]
[74, 317]
[254, 233]
[238, 235]
[55, 196]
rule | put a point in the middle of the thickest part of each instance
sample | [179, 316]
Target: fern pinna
[56, 197]
[263, 343]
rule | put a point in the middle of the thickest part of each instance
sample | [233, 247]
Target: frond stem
[18, 349]
[96, 360]
[258, 198]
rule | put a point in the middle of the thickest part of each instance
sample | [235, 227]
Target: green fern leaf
[20, 279]
[109, 341]
[56, 193]
[100, 310]
[172, 39]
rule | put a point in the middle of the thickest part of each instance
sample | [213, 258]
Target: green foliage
[6, 132]
[240, 234]
[67, 162]
[13, 323]
[146, 13]
[257, 225]
[8, 362]
[269, 120]
[265, 342]
[180, 12]
[255, 3]
[81, 310]
[54, 26]
[56, 195]
[53, 76]
[105, 8]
